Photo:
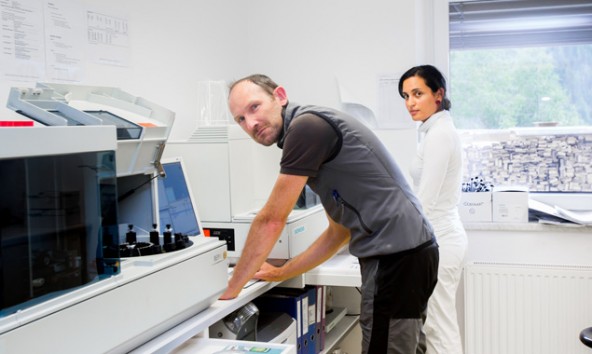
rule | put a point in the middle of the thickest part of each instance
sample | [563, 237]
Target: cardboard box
[475, 207]
[510, 204]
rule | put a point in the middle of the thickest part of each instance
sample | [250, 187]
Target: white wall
[173, 45]
[310, 47]
[176, 44]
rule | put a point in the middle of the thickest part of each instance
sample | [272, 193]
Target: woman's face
[420, 101]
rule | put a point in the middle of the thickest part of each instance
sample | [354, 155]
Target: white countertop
[176, 336]
[531, 226]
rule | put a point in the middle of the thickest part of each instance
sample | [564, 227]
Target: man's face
[258, 113]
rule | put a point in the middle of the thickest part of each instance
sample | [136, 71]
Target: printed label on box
[510, 206]
[475, 207]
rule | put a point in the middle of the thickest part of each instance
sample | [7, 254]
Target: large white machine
[233, 176]
[142, 126]
[80, 271]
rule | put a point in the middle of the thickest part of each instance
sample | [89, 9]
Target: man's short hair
[263, 81]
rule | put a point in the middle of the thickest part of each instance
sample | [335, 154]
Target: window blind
[518, 23]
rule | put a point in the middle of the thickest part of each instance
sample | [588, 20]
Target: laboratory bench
[530, 245]
[198, 325]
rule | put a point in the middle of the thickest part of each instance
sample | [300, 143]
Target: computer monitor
[175, 200]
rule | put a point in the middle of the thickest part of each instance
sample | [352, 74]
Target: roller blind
[517, 23]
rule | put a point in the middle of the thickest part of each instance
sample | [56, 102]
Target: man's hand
[269, 272]
[265, 230]
[229, 294]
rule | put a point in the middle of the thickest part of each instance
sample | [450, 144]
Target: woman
[436, 172]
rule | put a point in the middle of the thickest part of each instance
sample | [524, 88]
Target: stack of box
[505, 204]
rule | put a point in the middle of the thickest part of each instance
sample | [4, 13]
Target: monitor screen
[175, 202]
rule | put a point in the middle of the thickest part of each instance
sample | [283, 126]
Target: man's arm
[330, 241]
[265, 231]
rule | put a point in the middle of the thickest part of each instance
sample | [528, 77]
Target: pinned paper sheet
[392, 113]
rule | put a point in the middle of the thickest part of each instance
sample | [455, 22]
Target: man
[368, 204]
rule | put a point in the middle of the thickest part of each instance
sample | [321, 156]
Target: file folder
[309, 323]
[292, 303]
[314, 324]
[321, 310]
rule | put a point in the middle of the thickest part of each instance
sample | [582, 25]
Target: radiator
[526, 308]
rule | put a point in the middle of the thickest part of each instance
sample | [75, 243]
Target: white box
[510, 204]
[475, 207]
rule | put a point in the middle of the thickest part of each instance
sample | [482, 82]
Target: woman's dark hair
[433, 79]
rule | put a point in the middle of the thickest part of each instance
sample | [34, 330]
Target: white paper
[108, 38]
[64, 40]
[22, 56]
[578, 217]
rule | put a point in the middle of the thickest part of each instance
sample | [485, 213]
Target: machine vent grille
[211, 134]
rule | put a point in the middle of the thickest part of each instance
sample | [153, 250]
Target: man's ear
[280, 94]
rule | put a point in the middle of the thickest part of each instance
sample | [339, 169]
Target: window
[521, 63]
[520, 83]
